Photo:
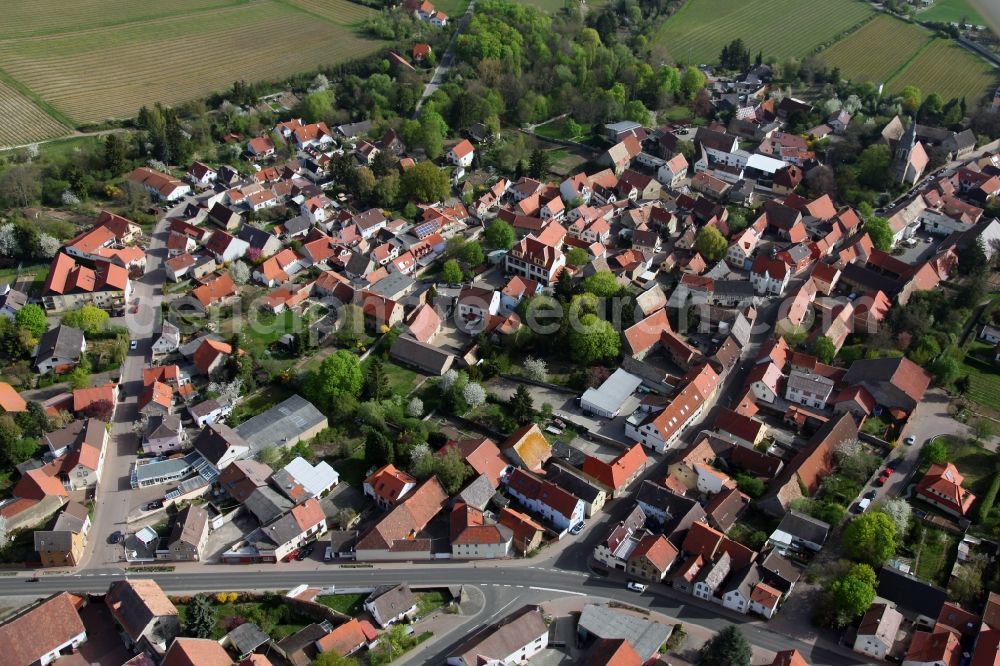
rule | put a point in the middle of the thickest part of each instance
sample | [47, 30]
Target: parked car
[115, 537]
[636, 587]
[889, 469]
[328, 554]
[134, 345]
[910, 440]
[871, 494]
[576, 529]
[881, 480]
[863, 505]
[152, 506]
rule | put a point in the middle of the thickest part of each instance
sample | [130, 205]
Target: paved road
[445, 63]
[494, 580]
[115, 497]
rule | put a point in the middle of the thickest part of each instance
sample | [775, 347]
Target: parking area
[221, 539]
[921, 250]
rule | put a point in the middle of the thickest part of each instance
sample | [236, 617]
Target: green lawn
[401, 380]
[974, 462]
[453, 8]
[428, 602]
[557, 130]
[951, 11]
[259, 402]
[984, 374]
[678, 113]
[270, 613]
[934, 556]
[348, 604]
[262, 329]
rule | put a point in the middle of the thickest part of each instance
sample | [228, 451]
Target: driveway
[115, 499]
[930, 419]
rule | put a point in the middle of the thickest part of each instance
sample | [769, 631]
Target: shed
[608, 398]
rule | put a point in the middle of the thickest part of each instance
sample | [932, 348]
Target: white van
[636, 587]
[863, 505]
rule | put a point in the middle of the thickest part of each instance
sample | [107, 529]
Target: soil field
[87, 67]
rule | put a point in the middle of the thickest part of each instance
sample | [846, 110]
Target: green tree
[10, 434]
[31, 317]
[338, 375]
[972, 259]
[425, 182]
[473, 254]
[823, 349]
[729, 647]
[967, 585]
[451, 272]
[925, 348]
[982, 430]
[945, 369]
[89, 319]
[692, 81]
[935, 452]
[873, 167]
[593, 340]
[379, 449]
[334, 659]
[451, 470]
[376, 385]
[539, 164]
[911, 99]
[880, 233]
[750, 485]
[870, 538]
[711, 243]
[577, 257]
[386, 189]
[602, 284]
[114, 154]
[363, 181]
[34, 422]
[852, 594]
[317, 106]
[500, 235]
[352, 324]
[199, 618]
[521, 405]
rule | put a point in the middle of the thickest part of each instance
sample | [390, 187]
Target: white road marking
[551, 589]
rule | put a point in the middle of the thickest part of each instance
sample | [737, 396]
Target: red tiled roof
[943, 483]
[388, 483]
[618, 472]
[655, 548]
[37, 485]
[41, 629]
[196, 652]
[642, 335]
[345, 639]
[10, 400]
[84, 398]
[482, 455]
[218, 289]
[702, 540]
[207, 352]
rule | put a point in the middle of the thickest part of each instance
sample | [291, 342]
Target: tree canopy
[711, 243]
[870, 538]
[500, 235]
[338, 375]
[852, 594]
[880, 233]
[729, 647]
[602, 284]
[89, 319]
[31, 317]
[593, 340]
[425, 183]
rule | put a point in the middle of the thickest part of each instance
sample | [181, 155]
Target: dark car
[115, 537]
[152, 506]
[871, 494]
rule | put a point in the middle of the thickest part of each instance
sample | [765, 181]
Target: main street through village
[560, 571]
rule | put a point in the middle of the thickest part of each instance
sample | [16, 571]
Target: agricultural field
[338, 11]
[169, 52]
[949, 70]
[951, 11]
[22, 121]
[877, 50]
[26, 18]
[779, 28]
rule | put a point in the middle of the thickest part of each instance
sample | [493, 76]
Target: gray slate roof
[60, 342]
[282, 423]
[644, 636]
[267, 505]
[478, 493]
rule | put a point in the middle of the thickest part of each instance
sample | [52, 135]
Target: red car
[881, 480]
[888, 471]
